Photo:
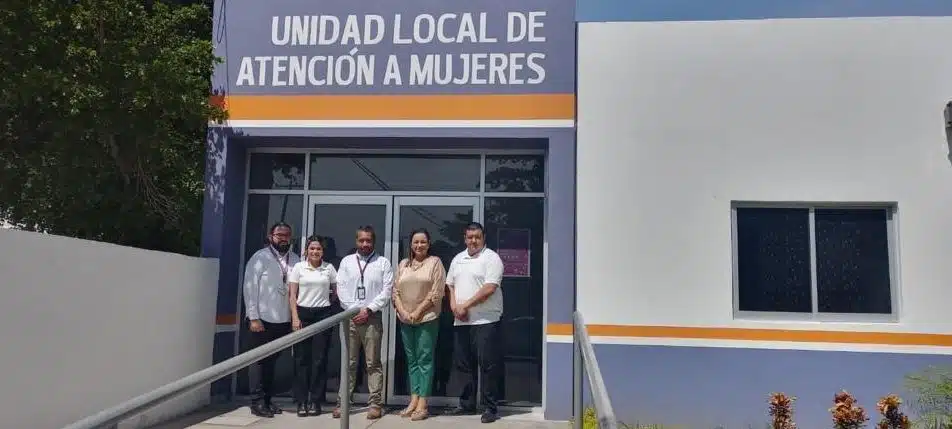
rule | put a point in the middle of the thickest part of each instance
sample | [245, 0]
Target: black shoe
[261, 411]
[315, 409]
[275, 409]
[460, 411]
[301, 409]
[489, 417]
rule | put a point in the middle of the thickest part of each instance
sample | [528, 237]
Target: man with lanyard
[365, 280]
[266, 307]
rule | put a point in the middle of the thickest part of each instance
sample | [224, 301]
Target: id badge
[361, 293]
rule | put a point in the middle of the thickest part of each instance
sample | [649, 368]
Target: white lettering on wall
[510, 59]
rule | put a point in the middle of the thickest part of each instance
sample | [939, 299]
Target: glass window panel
[514, 226]
[445, 225]
[338, 224]
[773, 260]
[277, 171]
[264, 211]
[852, 261]
[267, 210]
[515, 173]
[395, 173]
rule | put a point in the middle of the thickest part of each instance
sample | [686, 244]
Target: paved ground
[235, 418]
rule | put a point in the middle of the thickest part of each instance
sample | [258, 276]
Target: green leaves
[932, 395]
[103, 112]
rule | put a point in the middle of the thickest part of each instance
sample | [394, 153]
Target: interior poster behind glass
[513, 248]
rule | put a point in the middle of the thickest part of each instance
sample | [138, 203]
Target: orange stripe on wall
[226, 319]
[466, 107]
[883, 338]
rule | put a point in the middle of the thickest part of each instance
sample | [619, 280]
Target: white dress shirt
[266, 289]
[467, 275]
[378, 281]
[314, 284]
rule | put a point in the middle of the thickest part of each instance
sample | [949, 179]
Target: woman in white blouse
[311, 286]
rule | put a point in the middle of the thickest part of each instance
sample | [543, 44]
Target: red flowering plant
[846, 413]
[781, 411]
[893, 418]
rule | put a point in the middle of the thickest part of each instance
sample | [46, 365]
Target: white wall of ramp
[85, 325]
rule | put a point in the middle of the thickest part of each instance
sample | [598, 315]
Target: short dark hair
[368, 229]
[319, 239]
[474, 226]
[279, 225]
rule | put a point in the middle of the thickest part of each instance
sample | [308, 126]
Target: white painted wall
[677, 119]
[86, 325]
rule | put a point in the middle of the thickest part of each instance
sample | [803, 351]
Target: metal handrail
[584, 360]
[118, 413]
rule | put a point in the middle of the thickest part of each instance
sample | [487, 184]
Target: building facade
[401, 116]
[752, 196]
[764, 190]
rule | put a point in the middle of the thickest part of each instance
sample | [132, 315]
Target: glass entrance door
[337, 218]
[444, 218]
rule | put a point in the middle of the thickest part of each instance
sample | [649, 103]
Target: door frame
[390, 318]
[374, 200]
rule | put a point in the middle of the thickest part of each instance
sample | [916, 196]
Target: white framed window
[826, 262]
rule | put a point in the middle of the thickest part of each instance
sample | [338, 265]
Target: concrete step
[236, 417]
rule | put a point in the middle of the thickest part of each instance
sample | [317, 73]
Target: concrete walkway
[236, 418]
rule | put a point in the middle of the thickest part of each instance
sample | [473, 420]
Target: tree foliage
[103, 113]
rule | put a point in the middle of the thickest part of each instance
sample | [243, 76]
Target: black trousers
[310, 357]
[479, 346]
[272, 331]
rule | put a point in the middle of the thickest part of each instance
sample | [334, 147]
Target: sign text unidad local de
[355, 68]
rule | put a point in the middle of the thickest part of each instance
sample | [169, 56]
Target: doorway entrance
[337, 217]
[331, 192]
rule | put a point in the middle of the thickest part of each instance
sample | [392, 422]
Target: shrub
[590, 421]
[932, 396]
[893, 418]
[846, 413]
[781, 411]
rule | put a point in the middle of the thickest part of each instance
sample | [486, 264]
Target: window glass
[514, 229]
[852, 261]
[395, 173]
[277, 171]
[515, 173]
[267, 210]
[773, 260]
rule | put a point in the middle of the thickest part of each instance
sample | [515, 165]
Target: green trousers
[419, 341]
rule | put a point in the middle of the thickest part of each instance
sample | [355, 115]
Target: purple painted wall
[709, 387]
[243, 29]
[255, 43]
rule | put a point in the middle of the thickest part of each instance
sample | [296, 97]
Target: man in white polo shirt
[266, 307]
[474, 282]
[365, 280]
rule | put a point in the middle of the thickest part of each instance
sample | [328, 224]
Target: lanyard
[364, 268]
[282, 262]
